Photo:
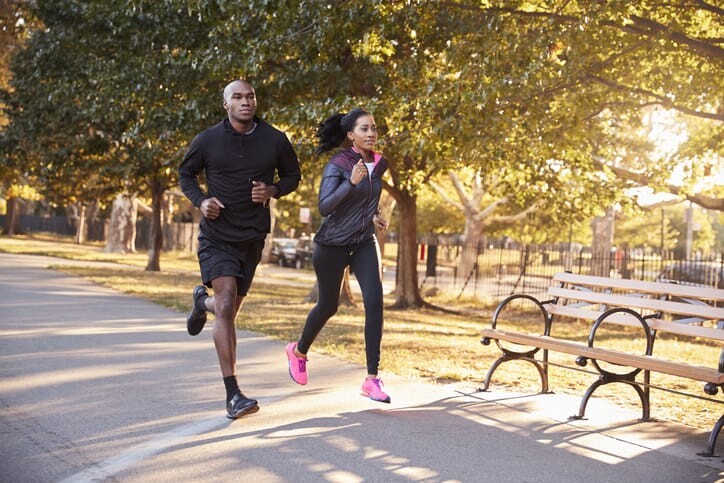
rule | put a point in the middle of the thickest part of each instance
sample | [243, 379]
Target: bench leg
[489, 375]
[541, 371]
[586, 397]
[643, 395]
[711, 444]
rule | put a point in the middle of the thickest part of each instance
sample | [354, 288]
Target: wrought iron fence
[498, 269]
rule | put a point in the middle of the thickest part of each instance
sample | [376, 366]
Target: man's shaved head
[234, 84]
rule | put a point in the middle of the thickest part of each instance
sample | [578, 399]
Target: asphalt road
[101, 386]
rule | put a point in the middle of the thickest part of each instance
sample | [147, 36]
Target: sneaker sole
[196, 321]
[244, 412]
[375, 399]
[195, 327]
[292, 377]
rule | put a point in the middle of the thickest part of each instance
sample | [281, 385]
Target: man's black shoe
[241, 405]
[197, 317]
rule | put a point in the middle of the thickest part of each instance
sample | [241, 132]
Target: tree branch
[667, 103]
[699, 46]
[709, 7]
[447, 199]
[508, 219]
[639, 26]
[489, 209]
[708, 202]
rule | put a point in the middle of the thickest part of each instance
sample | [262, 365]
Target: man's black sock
[201, 303]
[232, 387]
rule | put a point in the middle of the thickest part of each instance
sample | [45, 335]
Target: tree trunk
[91, 221]
[156, 236]
[471, 241]
[122, 229]
[387, 207]
[602, 243]
[81, 224]
[268, 245]
[345, 294]
[12, 220]
[407, 291]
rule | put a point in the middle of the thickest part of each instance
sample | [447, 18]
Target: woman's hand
[359, 171]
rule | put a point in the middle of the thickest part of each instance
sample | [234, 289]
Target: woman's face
[364, 134]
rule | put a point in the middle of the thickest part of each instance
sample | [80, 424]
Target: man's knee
[225, 297]
[225, 305]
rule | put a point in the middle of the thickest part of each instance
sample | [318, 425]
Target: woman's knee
[327, 311]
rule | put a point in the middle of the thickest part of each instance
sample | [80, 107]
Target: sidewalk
[101, 386]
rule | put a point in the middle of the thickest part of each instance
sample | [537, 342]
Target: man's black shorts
[224, 259]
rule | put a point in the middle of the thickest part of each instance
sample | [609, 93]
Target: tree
[143, 60]
[536, 94]
[50, 141]
[448, 79]
[592, 98]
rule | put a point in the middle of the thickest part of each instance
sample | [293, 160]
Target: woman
[348, 199]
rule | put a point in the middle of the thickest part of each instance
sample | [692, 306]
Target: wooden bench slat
[706, 293]
[629, 320]
[680, 369]
[681, 308]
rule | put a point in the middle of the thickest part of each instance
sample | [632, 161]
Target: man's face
[240, 102]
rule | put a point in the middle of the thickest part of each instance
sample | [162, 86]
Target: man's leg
[225, 304]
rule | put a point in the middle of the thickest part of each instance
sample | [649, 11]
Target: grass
[420, 344]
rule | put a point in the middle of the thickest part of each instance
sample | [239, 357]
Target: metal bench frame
[687, 303]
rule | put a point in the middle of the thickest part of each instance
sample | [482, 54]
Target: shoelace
[302, 364]
[377, 383]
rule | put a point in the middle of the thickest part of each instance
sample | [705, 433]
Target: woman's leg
[329, 264]
[365, 263]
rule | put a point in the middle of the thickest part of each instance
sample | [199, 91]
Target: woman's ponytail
[332, 132]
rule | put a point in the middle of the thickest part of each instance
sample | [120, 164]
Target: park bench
[609, 305]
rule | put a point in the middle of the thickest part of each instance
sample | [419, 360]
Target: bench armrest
[544, 313]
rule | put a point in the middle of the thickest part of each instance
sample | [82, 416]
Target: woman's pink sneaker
[372, 388]
[297, 365]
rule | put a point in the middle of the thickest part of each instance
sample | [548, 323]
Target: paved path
[101, 386]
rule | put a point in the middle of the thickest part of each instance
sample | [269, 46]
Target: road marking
[105, 469]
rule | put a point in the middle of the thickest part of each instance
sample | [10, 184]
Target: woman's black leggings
[329, 264]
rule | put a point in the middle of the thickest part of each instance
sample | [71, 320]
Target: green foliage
[645, 229]
[106, 95]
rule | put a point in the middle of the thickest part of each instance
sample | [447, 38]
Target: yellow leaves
[21, 191]
[373, 48]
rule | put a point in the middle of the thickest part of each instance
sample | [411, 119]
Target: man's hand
[211, 208]
[261, 192]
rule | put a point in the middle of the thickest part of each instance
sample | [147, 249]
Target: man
[240, 157]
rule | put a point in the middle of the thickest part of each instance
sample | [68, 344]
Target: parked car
[292, 252]
[280, 247]
[303, 253]
[706, 274]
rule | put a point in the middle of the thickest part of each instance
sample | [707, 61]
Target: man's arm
[188, 173]
[287, 169]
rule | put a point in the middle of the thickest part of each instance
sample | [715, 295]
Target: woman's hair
[332, 132]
